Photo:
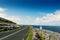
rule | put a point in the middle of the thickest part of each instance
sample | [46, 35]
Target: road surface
[7, 33]
[20, 35]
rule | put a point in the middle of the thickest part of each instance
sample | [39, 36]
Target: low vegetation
[6, 29]
[52, 37]
[41, 36]
[30, 35]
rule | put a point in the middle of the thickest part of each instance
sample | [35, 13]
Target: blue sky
[30, 8]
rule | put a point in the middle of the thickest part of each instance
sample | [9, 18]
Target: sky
[31, 12]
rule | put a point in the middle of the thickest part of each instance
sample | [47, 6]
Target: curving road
[7, 33]
[18, 35]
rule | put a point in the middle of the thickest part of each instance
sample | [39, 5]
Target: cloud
[9, 17]
[3, 9]
[49, 19]
[37, 20]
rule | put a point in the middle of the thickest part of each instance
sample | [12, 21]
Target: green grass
[30, 35]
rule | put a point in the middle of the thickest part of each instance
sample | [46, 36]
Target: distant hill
[5, 21]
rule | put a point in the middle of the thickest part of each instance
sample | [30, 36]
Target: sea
[51, 28]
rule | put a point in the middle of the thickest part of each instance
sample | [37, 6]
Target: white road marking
[23, 39]
[10, 34]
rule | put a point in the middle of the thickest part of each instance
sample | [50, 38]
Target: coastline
[47, 33]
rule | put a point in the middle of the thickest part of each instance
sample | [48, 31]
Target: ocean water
[52, 28]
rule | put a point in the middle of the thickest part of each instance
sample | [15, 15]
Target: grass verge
[30, 35]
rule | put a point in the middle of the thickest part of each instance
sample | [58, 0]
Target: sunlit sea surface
[52, 28]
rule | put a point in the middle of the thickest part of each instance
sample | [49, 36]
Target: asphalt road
[7, 33]
[18, 36]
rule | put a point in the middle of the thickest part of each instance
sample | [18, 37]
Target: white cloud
[3, 15]
[7, 16]
[49, 19]
[3, 9]
[37, 20]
